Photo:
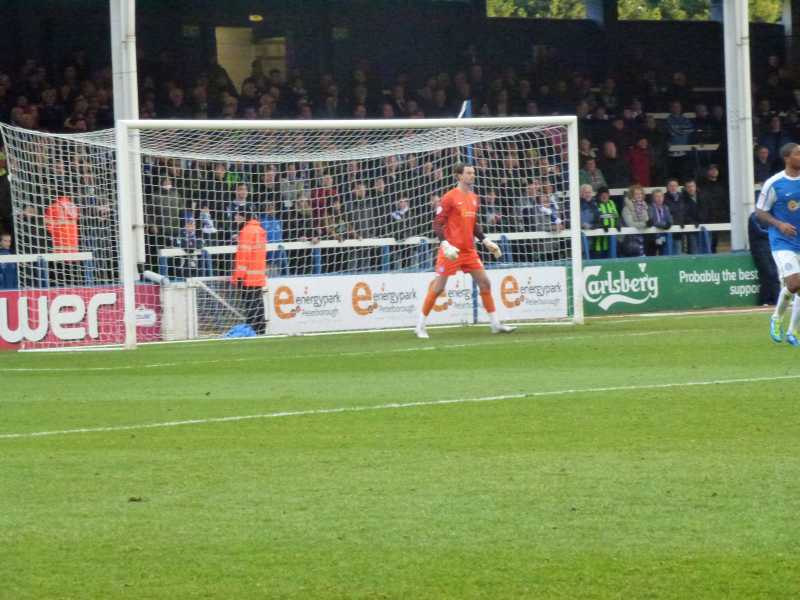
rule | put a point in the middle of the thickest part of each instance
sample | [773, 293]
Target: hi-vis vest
[61, 219]
[251, 256]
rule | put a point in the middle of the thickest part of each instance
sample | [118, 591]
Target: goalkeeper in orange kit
[456, 226]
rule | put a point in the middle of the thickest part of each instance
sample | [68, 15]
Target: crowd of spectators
[625, 144]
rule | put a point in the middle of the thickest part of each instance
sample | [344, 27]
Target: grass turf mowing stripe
[290, 357]
[398, 405]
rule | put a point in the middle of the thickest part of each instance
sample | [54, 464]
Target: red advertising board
[81, 316]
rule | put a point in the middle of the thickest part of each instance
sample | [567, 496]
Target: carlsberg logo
[612, 287]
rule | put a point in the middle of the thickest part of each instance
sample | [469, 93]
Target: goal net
[151, 214]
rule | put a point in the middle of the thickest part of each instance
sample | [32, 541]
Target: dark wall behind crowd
[394, 35]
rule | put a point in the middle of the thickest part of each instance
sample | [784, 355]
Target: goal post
[347, 206]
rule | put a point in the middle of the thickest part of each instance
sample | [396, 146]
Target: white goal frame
[130, 201]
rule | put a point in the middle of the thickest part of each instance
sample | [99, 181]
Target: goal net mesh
[332, 201]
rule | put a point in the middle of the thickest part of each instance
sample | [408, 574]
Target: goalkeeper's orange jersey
[456, 215]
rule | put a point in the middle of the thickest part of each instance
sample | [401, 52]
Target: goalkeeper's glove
[450, 252]
[492, 247]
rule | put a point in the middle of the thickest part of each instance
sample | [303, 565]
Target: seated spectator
[763, 166]
[660, 218]
[774, 137]
[635, 214]
[590, 215]
[608, 218]
[615, 170]
[8, 271]
[591, 175]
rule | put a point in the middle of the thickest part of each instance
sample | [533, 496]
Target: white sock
[494, 320]
[422, 319]
[782, 303]
[795, 314]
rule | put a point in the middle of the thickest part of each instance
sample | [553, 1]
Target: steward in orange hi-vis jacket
[61, 220]
[250, 272]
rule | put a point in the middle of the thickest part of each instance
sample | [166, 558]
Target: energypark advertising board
[306, 304]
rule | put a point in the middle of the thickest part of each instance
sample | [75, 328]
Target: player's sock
[783, 302]
[795, 315]
[427, 304]
[488, 304]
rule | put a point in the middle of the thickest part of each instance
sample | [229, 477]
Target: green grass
[685, 491]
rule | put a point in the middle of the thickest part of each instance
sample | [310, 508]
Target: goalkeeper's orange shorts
[468, 260]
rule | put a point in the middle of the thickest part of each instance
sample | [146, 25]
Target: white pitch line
[421, 348]
[396, 405]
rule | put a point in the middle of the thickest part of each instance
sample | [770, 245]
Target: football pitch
[625, 458]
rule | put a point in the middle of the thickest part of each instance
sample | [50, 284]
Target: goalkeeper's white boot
[497, 326]
[420, 330]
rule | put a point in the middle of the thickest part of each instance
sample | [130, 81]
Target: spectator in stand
[545, 218]
[715, 193]
[657, 140]
[292, 186]
[682, 214]
[774, 138]
[97, 219]
[660, 218]
[635, 214]
[493, 219]
[592, 175]
[322, 197]
[640, 161]
[590, 215]
[363, 210]
[621, 134]
[704, 126]
[273, 226]
[763, 165]
[679, 89]
[697, 202]
[51, 112]
[608, 219]
[191, 241]
[615, 169]
[585, 150]
[29, 230]
[176, 107]
[679, 132]
[242, 202]
[169, 208]
[8, 271]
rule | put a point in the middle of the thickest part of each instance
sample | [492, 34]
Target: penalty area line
[396, 406]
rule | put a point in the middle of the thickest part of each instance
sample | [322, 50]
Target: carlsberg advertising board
[669, 283]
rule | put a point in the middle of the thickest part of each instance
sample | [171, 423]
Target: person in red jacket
[640, 159]
[250, 272]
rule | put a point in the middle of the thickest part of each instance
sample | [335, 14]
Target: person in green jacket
[609, 219]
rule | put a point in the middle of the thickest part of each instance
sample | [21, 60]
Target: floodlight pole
[736, 33]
